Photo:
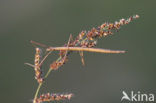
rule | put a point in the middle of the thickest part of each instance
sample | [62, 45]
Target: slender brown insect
[98, 50]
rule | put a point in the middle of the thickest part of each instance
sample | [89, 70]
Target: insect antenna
[34, 43]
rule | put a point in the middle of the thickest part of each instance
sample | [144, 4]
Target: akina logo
[138, 96]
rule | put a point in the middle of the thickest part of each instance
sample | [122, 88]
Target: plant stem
[48, 73]
[37, 91]
[40, 85]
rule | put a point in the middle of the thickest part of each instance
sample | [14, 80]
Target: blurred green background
[50, 22]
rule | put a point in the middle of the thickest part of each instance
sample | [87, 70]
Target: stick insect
[67, 48]
[82, 49]
[98, 50]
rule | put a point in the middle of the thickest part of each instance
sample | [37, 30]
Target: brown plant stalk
[85, 41]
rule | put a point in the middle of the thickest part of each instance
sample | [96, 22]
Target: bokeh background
[50, 22]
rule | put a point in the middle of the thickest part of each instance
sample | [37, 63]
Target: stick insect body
[98, 50]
